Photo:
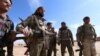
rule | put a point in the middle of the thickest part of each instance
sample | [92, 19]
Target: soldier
[6, 26]
[52, 40]
[86, 36]
[36, 32]
[65, 39]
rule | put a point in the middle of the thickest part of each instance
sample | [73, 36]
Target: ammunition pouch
[38, 33]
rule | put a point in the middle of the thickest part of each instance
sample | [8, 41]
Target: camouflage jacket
[50, 35]
[32, 24]
[65, 34]
[9, 27]
[86, 32]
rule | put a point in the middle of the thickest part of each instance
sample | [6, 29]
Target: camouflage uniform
[47, 39]
[87, 36]
[6, 40]
[36, 44]
[66, 39]
[52, 43]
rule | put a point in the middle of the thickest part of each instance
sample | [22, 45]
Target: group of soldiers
[42, 38]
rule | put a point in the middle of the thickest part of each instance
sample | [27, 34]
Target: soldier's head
[5, 5]
[53, 29]
[49, 25]
[63, 24]
[86, 20]
[40, 11]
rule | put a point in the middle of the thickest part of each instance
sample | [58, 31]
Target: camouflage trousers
[10, 49]
[89, 48]
[37, 48]
[9, 43]
[52, 47]
[64, 44]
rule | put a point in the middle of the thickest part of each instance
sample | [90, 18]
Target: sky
[70, 11]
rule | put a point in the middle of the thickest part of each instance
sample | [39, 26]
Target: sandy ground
[19, 50]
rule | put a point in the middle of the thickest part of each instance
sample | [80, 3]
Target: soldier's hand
[26, 32]
[12, 35]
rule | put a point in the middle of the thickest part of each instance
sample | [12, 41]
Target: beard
[41, 14]
[3, 10]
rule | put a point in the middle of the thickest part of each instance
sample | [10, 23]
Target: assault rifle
[80, 50]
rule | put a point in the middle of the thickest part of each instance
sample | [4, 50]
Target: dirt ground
[19, 50]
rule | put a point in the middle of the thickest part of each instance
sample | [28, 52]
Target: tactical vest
[87, 32]
[65, 35]
[36, 26]
[5, 27]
